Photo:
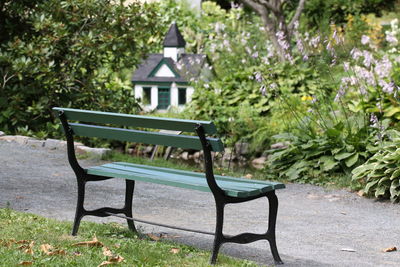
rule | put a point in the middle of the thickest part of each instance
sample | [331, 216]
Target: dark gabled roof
[188, 66]
[174, 37]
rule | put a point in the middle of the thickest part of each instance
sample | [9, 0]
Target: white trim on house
[164, 71]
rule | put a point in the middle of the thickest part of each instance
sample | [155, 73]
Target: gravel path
[314, 225]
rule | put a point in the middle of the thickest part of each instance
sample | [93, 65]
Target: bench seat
[234, 187]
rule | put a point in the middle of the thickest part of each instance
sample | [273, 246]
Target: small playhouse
[162, 81]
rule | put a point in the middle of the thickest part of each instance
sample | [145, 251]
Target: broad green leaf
[391, 111]
[351, 160]
[380, 191]
[328, 163]
[369, 185]
[395, 174]
[343, 155]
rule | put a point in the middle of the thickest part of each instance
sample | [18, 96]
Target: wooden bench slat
[188, 175]
[156, 138]
[189, 180]
[136, 120]
[276, 185]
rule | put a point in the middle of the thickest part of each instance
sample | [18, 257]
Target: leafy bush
[380, 175]
[68, 53]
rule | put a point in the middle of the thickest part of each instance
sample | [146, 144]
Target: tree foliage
[68, 53]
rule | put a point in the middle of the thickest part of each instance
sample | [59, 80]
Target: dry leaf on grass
[175, 250]
[7, 243]
[360, 193]
[248, 176]
[92, 243]
[28, 249]
[390, 249]
[169, 236]
[153, 237]
[25, 263]
[22, 241]
[107, 252]
[46, 248]
[112, 260]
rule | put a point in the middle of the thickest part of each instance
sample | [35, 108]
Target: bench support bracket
[221, 199]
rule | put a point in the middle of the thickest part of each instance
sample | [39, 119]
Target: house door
[163, 98]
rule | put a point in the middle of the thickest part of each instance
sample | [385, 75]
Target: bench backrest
[91, 124]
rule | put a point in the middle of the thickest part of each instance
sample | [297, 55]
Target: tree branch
[254, 6]
[268, 5]
[296, 16]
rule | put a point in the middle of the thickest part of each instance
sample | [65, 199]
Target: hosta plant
[381, 173]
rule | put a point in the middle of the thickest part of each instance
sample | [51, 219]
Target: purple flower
[314, 42]
[368, 58]
[383, 67]
[390, 38]
[258, 76]
[365, 39]
[374, 120]
[356, 53]
[263, 90]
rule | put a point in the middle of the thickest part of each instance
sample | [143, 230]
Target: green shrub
[380, 175]
[68, 53]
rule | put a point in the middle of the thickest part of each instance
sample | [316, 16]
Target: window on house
[147, 95]
[181, 96]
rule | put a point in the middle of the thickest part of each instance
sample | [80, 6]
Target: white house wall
[173, 52]
[174, 95]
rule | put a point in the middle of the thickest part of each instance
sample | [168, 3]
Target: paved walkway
[315, 226]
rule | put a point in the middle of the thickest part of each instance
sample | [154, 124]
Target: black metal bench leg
[273, 211]
[219, 237]
[130, 186]
[80, 211]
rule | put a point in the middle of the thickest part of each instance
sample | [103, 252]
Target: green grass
[18, 230]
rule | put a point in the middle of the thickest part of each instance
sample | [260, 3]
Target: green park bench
[226, 190]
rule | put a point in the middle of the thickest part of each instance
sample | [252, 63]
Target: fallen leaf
[344, 213]
[6, 243]
[107, 252]
[25, 263]
[360, 193]
[19, 197]
[168, 236]
[111, 260]
[46, 248]
[116, 259]
[223, 174]
[57, 252]
[92, 243]
[348, 250]
[174, 250]
[153, 237]
[390, 249]
[22, 242]
[248, 176]
[28, 249]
